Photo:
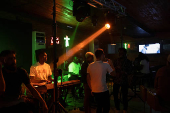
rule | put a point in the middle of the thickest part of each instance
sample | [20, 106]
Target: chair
[153, 102]
[143, 94]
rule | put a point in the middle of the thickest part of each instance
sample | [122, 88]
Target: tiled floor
[135, 105]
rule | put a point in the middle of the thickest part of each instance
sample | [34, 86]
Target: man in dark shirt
[11, 79]
[123, 68]
[162, 84]
[89, 59]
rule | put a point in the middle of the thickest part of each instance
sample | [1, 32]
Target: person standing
[96, 79]
[123, 68]
[89, 59]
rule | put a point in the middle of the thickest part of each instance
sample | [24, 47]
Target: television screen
[150, 48]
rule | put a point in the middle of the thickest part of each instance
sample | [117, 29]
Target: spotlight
[107, 26]
[81, 10]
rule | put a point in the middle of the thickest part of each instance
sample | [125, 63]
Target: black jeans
[87, 98]
[124, 91]
[103, 102]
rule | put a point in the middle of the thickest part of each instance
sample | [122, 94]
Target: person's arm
[25, 79]
[37, 95]
[2, 81]
[113, 73]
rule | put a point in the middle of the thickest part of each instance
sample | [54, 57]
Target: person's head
[75, 60]
[41, 56]
[9, 59]
[99, 53]
[168, 60]
[122, 52]
[89, 57]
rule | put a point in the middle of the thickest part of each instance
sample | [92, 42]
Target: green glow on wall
[66, 41]
[74, 34]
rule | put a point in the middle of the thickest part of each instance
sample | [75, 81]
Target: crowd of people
[92, 74]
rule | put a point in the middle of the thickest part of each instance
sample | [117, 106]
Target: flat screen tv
[149, 48]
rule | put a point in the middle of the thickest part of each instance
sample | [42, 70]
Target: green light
[66, 41]
[73, 35]
[125, 46]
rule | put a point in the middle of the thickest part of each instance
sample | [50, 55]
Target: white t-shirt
[75, 68]
[145, 68]
[40, 72]
[98, 71]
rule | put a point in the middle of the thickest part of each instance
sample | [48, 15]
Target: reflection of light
[57, 40]
[35, 86]
[92, 5]
[125, 46]
[107, 26]
[113, 44]
[128, 45]
[66, 39]
[76, 48]
[69, 27]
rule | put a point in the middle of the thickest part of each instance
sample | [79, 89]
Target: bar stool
[143, 94]
[153, 102]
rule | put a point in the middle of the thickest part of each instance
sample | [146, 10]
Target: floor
[135, 105]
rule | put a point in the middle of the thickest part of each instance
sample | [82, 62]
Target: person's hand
[49, 82]
[44, 107]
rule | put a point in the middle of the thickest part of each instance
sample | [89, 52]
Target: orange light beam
[76, 48]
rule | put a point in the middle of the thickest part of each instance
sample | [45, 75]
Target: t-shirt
[13, 81]
[98, 71]
[162, 83]
[40, 72]
[145, 68]
[75, 68]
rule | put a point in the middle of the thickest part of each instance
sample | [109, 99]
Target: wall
[36, 24]
[16, 36]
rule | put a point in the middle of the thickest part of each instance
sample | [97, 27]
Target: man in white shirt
[41, 71]
[145, 66]
[96, 79]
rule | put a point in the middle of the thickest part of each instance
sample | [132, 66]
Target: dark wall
[17, 36]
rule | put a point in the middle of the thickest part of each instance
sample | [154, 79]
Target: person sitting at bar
[11, 78]
[74, 69]
[162, 84]
[89, 59]
[96, 79]
[123, 67]
[40, 71]
[74, 74]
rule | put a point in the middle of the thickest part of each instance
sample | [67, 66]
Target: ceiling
[143, 17]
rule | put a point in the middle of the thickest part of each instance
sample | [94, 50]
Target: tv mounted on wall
[149, 48]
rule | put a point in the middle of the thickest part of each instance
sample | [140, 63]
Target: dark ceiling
[143, 17]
